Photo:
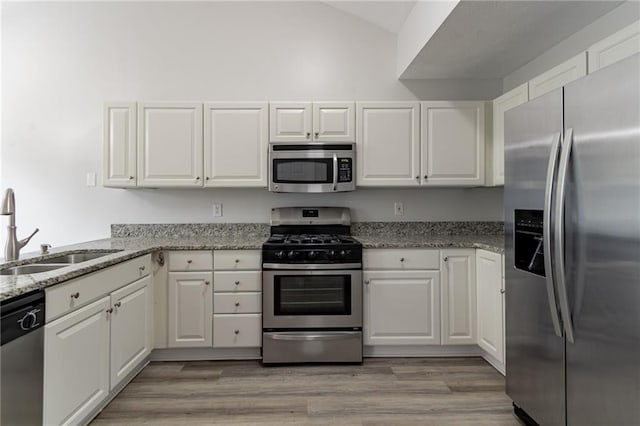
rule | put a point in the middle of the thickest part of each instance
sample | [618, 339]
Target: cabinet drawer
[236, 260]
[230, 331]
[80, 291]
[237, 281]
[237, 303]
[190, 261]
[401, 259]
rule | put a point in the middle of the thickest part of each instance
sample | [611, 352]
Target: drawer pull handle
[502, 291]
[237, 260]
[237, 331]
[367, 282]
[237, 282]
[237, 304]
[189, 261]
[75, 295]
[142, 268]
[402, 259]
[110, 310]
[207, 283]
[117, 304]
[446, 258]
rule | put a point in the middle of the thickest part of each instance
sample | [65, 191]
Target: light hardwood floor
[389, 391]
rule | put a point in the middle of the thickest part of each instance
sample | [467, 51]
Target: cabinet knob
[426, 176]
[142, 268]
[75, 295]
[402, 259]
[237, 283]
[367, 282]
[308, 135]
[198, 178]
[237, 260]
[110, 310]
[207, 283]
[130, 177]
[237, 304]
[418, 177]
[446, 258]
[317, 135]
[502, 290]
[117, 304]
[189, 261]
[236, 331]
[207, 178]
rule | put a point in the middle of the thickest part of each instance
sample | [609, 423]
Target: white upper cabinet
[558, 76]
[235, 144]
[458, 290]
[511, 99]
[452, 143]
[311, 122]
[388, 143]
[290, 122]
[119, 145]
[618, 46]
[170, 144]
[334, 122]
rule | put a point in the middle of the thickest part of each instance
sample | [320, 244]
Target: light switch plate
[217, 210]
[91, 179]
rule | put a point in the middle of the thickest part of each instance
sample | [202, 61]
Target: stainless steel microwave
[312, 167]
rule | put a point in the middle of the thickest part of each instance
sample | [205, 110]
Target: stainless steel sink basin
[29, 269]
[76, 257]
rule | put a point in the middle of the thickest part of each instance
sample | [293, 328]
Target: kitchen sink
[29, 269]
[76, 257]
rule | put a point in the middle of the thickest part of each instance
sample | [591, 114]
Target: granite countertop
[15, 285]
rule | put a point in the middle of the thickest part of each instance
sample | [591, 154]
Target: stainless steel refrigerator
[572, 240]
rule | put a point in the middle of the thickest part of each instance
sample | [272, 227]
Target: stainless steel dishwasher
[22, 359]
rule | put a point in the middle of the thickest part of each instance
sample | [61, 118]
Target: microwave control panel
[345, 168]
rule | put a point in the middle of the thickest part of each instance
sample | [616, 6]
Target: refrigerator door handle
[563, 299]
[546, 235]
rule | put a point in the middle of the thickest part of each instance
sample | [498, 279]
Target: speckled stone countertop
[137, 240]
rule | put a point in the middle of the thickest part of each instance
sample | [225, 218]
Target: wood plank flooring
[382, 391]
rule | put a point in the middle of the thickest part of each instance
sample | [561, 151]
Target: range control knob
[312, 254]
[280, 254]
[331, 254]
[291, 254]
[343, 253]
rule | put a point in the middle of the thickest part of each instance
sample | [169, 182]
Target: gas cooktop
[317, 239]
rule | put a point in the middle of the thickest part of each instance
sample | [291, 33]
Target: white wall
[62, 61]
[618, 18]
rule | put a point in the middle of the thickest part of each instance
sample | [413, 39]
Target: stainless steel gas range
[312, 287]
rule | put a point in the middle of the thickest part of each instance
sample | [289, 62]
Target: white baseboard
[205, 354]
[421, 351]
[500, 366]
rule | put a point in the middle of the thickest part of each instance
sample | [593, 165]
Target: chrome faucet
[13, 246]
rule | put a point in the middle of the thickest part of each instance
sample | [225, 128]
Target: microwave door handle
[335, 171]
[546, 235]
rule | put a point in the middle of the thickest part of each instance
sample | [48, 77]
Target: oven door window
[303, 170]
[312, 295]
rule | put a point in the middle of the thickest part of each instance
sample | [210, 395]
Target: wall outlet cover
[217, 210]
[91, 179]
[398, 208]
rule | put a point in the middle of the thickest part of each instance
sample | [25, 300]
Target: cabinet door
[235, 144]
[511, 99]
[402, 308]
[170, 144]
[558, 76]
[620, 45]
[452, 143]
[76, 363]
[190, 309]
[489, 285]
[290, 122]
[131, 328]
[119, 145]
[334, 122]
[388, 143]
[458, 297]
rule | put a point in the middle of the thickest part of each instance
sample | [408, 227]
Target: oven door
[307, 299]
[311, 168]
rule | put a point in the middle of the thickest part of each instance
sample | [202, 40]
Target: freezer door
[602, 250]
[534, 352]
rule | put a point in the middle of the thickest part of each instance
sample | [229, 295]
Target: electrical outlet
[91, 179]
[398, 208]
[217, 210]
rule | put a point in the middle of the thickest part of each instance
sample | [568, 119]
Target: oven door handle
[312, 266]
[344, 335]
[335, 171]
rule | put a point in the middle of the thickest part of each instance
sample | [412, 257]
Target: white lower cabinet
[237, 330]
[402, 308]
[131, 328]
[90, 350]
[490, 303]
[190, 309]
[458, 296]
[76, 363]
